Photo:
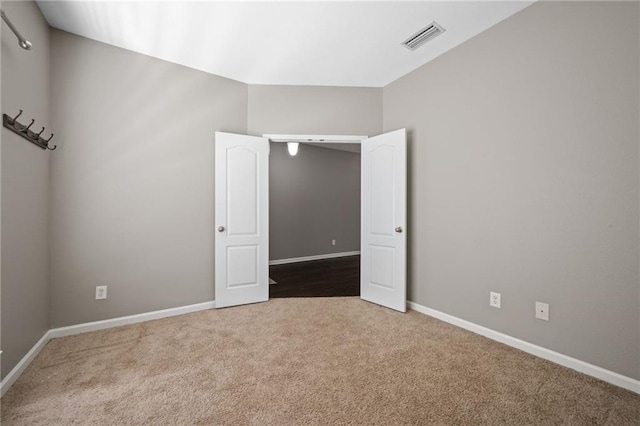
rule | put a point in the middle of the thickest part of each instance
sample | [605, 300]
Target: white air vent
[424, 35]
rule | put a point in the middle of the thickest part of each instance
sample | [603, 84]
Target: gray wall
[315, 110]
[132, 182]
[314, 197]
[25, 187]
[133, 178]
[524, 179]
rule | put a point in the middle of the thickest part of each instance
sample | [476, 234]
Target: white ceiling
[354, 43]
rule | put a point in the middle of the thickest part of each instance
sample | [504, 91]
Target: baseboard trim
[13, 375]
[556, 357]
[94, 326]
[316, 257]
[130, 319]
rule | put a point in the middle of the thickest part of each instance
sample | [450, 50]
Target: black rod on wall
[12, 124]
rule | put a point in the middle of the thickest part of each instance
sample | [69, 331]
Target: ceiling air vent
[424, 35]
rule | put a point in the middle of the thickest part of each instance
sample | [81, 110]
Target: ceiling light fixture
[292, 147]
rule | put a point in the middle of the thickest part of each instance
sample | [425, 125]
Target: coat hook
[26, 129]
[47, 143]
[25, 132]
[13, 120]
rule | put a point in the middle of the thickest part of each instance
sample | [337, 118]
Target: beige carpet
[302, 362]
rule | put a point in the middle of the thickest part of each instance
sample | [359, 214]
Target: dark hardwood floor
[317, 278]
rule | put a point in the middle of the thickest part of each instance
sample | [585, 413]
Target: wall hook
[26, 129]
[13, 120]
[20, 129]
[47, 143]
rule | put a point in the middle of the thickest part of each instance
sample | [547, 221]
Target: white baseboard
[24, 363]
[556, 357]
[316, 257]
[94, 326]
[131, 319]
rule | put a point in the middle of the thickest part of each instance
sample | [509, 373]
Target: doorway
[314, 220]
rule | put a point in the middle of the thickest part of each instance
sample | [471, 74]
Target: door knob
[399, 229]
[220, 228]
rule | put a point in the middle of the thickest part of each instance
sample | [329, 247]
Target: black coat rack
[24, 131]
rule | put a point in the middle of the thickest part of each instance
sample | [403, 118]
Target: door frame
[318, 139]
[315, 138]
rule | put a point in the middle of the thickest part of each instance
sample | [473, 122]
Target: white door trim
[315, 138]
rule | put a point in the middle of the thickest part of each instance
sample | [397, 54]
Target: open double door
[242, 220]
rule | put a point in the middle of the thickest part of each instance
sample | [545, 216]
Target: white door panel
[383, 246]
[241, 219]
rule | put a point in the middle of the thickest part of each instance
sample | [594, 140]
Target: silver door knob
[399, 229]
[220, 228]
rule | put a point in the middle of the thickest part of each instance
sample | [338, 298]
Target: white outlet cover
[542, 311]
[101, 292]
[494, 299]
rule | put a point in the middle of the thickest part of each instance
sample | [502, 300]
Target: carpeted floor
[301, 362]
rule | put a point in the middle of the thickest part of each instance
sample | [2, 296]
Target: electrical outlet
[101, 292]
[494, 299]
[333, 242]
[542, 311]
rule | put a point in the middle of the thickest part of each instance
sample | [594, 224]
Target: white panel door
[383, 222]
[241, 219]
